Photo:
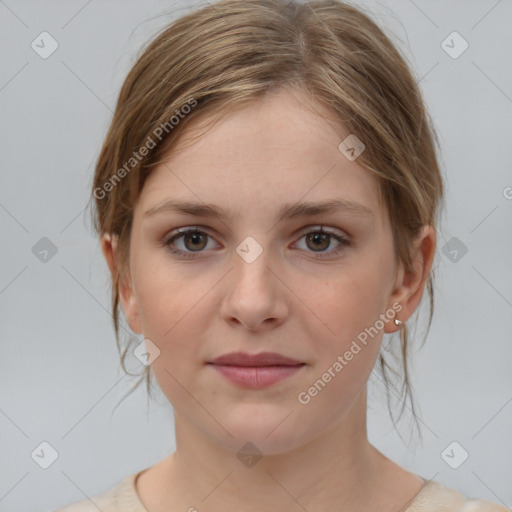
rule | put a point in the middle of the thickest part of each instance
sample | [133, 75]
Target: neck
[337, 467]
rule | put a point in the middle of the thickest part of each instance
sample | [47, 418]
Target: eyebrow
[287, 211]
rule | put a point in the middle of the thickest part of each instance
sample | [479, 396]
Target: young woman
[267, 198]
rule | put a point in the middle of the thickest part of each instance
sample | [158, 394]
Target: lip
[256, 371]
[261, 359]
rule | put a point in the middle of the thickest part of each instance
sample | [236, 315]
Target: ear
[409, 286]
[126, 296]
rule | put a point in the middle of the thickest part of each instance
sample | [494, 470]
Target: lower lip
[256, 377]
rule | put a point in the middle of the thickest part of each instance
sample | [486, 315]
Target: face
[310, 286]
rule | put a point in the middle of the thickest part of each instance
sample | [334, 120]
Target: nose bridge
[252, 261]
[250, 250]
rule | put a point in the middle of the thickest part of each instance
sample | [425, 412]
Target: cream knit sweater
[433, 497]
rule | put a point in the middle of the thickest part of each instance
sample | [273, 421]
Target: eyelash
[168, 240]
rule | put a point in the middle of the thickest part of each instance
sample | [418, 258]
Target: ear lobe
[410, 286]
[126, 296]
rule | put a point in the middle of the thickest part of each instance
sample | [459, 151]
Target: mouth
[256, 371]
[257, 377]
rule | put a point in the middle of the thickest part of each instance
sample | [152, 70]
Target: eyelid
[327, 229]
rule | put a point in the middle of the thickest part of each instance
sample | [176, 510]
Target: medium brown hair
[235, 51]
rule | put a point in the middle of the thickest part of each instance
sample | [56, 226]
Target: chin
[271, 434]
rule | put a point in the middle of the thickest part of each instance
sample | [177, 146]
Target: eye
[321, 239]
[195, 240]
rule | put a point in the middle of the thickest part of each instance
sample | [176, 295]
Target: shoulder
[121, 498]
[475, 505]
[435, 496]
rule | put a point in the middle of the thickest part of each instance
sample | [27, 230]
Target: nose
[255, 297]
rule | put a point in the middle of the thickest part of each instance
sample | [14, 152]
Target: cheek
[176, 311]
[343, 320]
[167, 294]
[175, 323]
[347, 342]
[350, 301]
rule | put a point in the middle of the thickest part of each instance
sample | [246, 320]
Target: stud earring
[399, 323]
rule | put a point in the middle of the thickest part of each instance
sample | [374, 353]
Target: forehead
[274, 150]
[286, 113]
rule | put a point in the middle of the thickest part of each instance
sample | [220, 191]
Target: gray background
[59, 368]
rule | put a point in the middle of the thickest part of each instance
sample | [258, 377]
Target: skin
[289, 300]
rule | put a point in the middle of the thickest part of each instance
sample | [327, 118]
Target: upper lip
[261, 359]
